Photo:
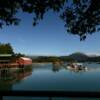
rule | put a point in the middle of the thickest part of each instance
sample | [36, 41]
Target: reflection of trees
[9, 76]
[56, 67]
[23, 72]
[4, 86]
[5, 80]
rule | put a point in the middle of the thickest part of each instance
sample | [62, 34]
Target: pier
[9, 65]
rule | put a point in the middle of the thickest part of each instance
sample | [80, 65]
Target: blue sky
[48, 38]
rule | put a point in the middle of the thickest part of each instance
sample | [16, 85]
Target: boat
[76, 66]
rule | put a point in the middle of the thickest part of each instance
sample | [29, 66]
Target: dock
[9, 65]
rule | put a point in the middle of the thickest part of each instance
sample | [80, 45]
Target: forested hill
[77, 56]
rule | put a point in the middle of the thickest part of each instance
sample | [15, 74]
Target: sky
[49, 37]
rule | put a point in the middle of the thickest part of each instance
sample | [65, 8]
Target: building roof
[5, 55]
[25, 58]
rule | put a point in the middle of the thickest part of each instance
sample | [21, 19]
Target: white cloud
[93, 53]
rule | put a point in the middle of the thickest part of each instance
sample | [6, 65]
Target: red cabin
[24, 61]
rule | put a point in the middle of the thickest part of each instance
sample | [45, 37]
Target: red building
[24, 61]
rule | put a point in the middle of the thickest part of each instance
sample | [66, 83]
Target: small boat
[76, 66]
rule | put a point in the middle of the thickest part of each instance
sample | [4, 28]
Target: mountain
[78, 56]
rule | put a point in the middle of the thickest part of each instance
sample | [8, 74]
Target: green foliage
[8, 11]
[19, 55]
[6, 49]
[81, 17]
[46, 59]
[78, 56]
[74, 57]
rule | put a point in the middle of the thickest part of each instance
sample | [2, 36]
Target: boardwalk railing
[72, 94]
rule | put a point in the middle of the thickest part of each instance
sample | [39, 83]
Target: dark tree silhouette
[81, 17]
[9, 9]
[6, 48]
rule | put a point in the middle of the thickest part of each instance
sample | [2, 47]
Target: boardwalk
[9, 65]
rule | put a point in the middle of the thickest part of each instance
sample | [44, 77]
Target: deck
[9, 65]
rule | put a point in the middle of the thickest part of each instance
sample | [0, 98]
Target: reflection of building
[24, 61]
[7, 79]
[5, 58]
[21, 76]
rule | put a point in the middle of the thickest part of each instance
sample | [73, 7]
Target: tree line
[75, 57]
[6, 48]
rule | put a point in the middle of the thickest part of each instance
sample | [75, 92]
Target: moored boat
[76, 66]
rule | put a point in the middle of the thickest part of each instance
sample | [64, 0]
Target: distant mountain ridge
[78, 56]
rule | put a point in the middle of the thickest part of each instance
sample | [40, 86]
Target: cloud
[93, 53]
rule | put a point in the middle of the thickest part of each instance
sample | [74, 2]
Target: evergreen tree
[6, 49]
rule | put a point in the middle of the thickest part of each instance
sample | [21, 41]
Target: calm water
[47, 76]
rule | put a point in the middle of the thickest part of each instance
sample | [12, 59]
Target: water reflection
[90, 67]
[9, 76]
[56, 67]
[50, 76]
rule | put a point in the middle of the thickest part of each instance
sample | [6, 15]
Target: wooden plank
[11, 65]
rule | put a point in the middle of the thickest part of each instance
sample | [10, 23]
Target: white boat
[76, 66]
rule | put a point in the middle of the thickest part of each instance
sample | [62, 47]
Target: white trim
[25, 58]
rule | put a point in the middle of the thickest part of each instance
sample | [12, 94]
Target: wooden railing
[50, 94]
